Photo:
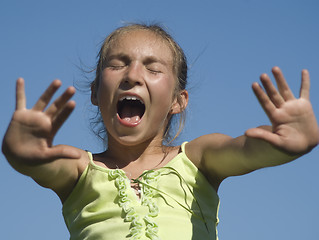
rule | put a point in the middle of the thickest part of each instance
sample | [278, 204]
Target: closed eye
[153, 71]
[154, 67]
[117, 62]
[116, 67]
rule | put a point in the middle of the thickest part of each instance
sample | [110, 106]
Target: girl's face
[136, 90]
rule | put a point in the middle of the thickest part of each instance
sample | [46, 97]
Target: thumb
[64, 151]
[263, 134]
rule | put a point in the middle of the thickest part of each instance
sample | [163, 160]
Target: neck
[124, 155]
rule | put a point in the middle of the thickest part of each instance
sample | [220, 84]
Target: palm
[34, 126]
[294, 126]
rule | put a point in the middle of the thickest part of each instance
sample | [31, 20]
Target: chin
[134, 140]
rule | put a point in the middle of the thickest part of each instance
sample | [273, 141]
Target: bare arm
[294, 132]
[28, 142]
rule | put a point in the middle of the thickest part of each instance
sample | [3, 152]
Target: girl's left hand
[294, 125]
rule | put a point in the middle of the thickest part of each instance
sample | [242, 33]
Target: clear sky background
[228, 43]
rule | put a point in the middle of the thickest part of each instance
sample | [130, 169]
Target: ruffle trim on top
[148, 182]
[126, 204]
[151, 179]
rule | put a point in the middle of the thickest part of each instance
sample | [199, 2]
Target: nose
[134, 74]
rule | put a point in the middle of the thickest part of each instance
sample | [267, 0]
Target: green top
[177, 202]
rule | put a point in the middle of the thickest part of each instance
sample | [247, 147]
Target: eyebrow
[148, 59]
[120, 56]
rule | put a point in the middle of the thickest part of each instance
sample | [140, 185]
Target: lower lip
[128, 124]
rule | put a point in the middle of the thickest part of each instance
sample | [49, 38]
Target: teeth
[133, 98]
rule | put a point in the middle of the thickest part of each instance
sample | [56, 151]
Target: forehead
[141, 43]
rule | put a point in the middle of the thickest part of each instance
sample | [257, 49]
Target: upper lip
[130, 95]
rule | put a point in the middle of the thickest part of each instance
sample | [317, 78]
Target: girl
[140, 188]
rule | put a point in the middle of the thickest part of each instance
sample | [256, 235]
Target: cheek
[107, 78]
[107, 84]
[166, 81]
[163, 90]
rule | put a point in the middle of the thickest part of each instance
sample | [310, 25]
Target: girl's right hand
[29, 137]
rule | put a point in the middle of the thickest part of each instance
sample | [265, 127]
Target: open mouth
[130, 109]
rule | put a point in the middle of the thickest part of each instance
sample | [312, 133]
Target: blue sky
[228, 44]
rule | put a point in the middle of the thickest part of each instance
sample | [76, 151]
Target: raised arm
[28, 142]
[294, 132]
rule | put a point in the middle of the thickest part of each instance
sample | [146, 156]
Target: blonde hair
[179, 68]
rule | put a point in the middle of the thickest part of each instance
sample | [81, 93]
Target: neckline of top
[168, 164]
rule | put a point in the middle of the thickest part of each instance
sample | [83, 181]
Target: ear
[94, 94]
[180, 102]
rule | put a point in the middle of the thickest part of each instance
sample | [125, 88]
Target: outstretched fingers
[60, 102]
[58, 111]
[20, 94]
[263, 98]
[270, 98]
[305, 84]
[282, 84]
[272, 93]
[62, 116]
[61, 109]
[47, 95]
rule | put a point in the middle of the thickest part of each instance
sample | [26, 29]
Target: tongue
[130, 114]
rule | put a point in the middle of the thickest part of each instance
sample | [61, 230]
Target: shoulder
[69, 174]
[197, 148]
[85, 159]
[204, 153]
